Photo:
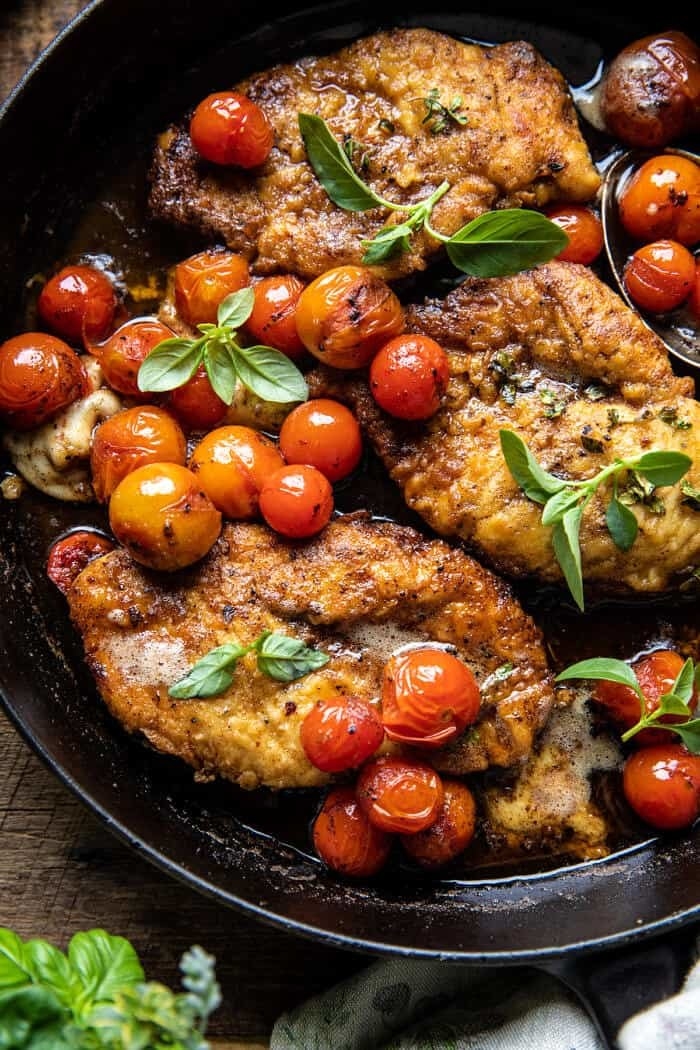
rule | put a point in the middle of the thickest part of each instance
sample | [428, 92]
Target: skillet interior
[94, 101]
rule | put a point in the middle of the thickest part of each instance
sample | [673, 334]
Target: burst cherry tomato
[346, 314]
[451, 832]
[69, 555]
[229, 128]
[297, 501]
[127, 440]
[203, 280]
[232, 464]
[162, 517]
[196, 404]
[661, 200]
[341, 733]
[123, 353]
[78, 303]
[428, 697]
[346, 840]
[584, 230]
[409, 375]
[659, 276]
[324, 434]
[39, 376]
[273, 318]
[399, 794]
[662, 785]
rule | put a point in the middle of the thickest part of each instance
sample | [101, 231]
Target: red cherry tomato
[297, 501]
[428, 697]
[408, 376]
[196, 404]
[451, 832]
[399, 794]
[324, 434]
[78, 303]
[659, 276]
[69, 555]
[273, 319]
[39, 376]
[662, 785]
[341, 733]
[656, 674]
[229, 128]
[124, 352]
[203, 281]
[584, 230]
[346, 840]
[137, 435]
[661, 200]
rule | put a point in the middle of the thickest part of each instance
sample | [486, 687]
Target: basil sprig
[677, 702]
[278, 655]
[564, 502]
[495, 244]
[268, 373]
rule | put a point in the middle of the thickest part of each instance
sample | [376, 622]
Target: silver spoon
[679, 330]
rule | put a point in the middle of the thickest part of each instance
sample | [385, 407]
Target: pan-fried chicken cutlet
[517, 142]
[556, 356]
[357, 591]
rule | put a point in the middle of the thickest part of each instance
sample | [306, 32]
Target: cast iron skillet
[94, 100]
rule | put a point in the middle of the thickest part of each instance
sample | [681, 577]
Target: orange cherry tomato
[127, 440]
[656, 674]
[69, 555]
[196, 404]
[429, 697]
[39, 376]
[346, 314]
[451, 832]
[341, 733]
[203, 280]
[232, 463]
[662, 785]
[346, 840]
[409, 376]
[661, 200]
[124, 352]
[659, 276]
[399, 794]
[297, 501]
[273, 318]
[229, 128]
[324, 434]
[584, 230]
[78, 303]
[162, 517]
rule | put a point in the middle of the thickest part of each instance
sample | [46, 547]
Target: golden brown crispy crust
[521, 145]
[357, 591]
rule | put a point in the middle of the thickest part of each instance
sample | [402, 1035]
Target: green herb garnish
[495, 244]
[267, 373]
[438, 115]
[564, 502]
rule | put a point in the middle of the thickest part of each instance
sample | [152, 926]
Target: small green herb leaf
[565, 541]
[103, 964]
[333, 168]
[557, 505]
[689, 732]
[285, 659]
[533, 479]
[499, 243]
[691, 495]
[603, 669]
[170, 364]
[236, 308]
[391, 240]
[270, 374]
[220, 369]
[622, 524]
[211, 675]
[664, 467]
[685, 682]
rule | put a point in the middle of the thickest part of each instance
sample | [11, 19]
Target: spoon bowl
[678, 329]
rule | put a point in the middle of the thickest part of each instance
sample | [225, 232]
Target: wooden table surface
[61, 871]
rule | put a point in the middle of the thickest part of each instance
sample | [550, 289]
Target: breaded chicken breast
[357, 591]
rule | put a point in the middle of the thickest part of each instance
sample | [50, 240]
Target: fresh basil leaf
[56, 1035]
[664, 467]
[602, 669]
[209, 676]
[270, 374]
[535, 482]
[391, 240]
[103, 964]
[52, 969]
[14, 967]
[567, 550]
[685, 682]
[170, 364]
[500, 243]
[671, 704]
[285, 659]
[689, 732]
[221, 370]
[236, 308]
[557, 505]
[622, 524]
[333, 168]
[25, 1009]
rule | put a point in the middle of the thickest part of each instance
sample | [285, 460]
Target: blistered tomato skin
[130, 439]
[122, 355]
[39, 376]
[69, 555]
[399, 795]
[78, 303]
[452, 831]
[656, 674]
[408, 376]
[662, 785]
[584, 230]
[297, 501]
[661, 200]
[202, 282]
[196, 404]
[228, 128]
[346, 840]
[163, 518]
[324, 434]
[341, 733]
[273, 319]
[659, 277]
[232, 463]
